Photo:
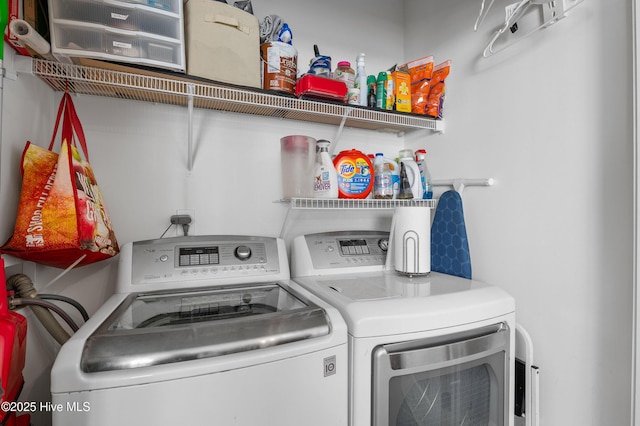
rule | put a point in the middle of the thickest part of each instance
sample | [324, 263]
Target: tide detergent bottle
[355, 174]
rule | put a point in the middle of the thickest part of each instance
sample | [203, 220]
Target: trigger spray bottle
[425, 176]
[325, 180]
[361, 80]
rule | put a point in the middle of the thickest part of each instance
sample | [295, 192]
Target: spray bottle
[361, 80]
[325, 184]
[381, 90]
[425, 176]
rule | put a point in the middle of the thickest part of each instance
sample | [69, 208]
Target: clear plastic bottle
[361, 80]
[425, 176]
[382, 178]
[325, 181]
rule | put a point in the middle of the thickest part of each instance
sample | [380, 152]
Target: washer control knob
[383, 244]
[164, 258]
[243, 252]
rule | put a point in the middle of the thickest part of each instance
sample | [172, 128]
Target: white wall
[548, 119]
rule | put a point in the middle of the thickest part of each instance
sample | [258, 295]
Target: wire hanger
[483, 14]
[553, 11]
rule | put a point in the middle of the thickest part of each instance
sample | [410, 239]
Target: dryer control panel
[203, 257]
[313, 254]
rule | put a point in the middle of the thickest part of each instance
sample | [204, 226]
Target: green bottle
[371, 83]
[381, 90]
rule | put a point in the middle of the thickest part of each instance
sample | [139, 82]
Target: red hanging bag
[61, 216]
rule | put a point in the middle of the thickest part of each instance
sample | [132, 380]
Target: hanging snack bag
[420, 72]
[435, 101]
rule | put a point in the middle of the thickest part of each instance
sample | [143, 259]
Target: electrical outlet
[192, 229]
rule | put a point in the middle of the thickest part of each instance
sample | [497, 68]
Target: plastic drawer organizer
[149, 33]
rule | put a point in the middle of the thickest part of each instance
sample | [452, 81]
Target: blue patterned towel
[449, 244]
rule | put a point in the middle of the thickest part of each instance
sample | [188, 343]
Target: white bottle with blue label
[325, 177]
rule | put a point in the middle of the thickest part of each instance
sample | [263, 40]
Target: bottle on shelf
[425, 176]
[382, 179]
[381, 90]
[405, 187]
[390, 101]
[345, 73]
[371, 84]
[412, 172]
[355, 174]
[325, 181]
[361, 80]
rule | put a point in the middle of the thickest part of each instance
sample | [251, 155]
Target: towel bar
[459, 184]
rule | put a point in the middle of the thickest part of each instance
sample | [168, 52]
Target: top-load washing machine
[205, 330]
[423, 350]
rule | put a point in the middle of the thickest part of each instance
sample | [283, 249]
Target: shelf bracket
[332, 148]
[17, 64]
[191, 90]
[286, 223]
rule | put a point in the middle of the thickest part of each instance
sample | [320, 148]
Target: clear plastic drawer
[120, 15]
[76, 39]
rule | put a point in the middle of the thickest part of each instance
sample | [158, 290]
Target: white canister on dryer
[410, 241]
[413, 172]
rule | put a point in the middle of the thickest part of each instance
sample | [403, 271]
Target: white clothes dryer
[430, 350]
[205, 330]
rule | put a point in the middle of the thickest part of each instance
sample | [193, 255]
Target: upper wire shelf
[179, 90]
[349, 203]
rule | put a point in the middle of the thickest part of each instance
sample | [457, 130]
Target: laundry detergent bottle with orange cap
[355, 174]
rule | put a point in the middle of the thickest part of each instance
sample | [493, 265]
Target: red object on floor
[13, 420]
[13, 348]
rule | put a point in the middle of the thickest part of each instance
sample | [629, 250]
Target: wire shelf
[345, 203]
[177, 90]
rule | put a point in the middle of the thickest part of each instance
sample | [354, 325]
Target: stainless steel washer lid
[165, 327]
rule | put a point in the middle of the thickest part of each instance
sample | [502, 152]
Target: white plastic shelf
[296, 204]
[366, 203]
[177, 89]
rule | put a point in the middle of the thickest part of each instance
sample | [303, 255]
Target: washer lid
[166, 327]
[386, 303]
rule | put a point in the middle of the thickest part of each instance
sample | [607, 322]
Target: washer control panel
[203, 257]
[346, 249]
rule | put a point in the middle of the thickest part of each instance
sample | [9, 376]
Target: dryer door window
[443, 383]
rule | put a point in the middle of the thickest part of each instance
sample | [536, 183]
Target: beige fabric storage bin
[223, 43]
